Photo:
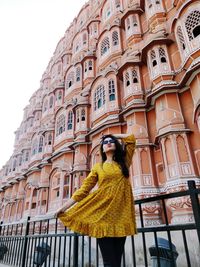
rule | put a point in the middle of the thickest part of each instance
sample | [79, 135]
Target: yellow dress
[109, 210]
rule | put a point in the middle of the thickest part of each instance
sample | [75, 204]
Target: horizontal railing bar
[189, 226]
[167, 196]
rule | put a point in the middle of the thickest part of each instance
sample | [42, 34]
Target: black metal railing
[47, 243]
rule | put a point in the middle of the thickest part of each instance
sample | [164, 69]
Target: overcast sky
[29, 33]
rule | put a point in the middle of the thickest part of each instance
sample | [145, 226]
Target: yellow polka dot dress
[109, 210]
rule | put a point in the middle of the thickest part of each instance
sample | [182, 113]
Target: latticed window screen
[70, 120]
[153, 58]
[83, 114]
[70, 79]
[105, 46]
[78, 74]
[115, 38]
[99, 97]
[180, 37]
[60, 125]
[111, 86]
[134, 76]
[127, 79]
[162, 55]
[192, 25]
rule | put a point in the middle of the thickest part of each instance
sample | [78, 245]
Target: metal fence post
[195, 205]
[25, 243]
[75, 251]
[1, 226]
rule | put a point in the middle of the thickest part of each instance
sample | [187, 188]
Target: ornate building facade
[122, 66]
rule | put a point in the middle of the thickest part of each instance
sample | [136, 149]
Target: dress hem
[118, 230]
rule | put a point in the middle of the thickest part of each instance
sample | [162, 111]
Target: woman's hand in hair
[119, 136]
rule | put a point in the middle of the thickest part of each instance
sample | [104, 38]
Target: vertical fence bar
[195, 205]
[143, 236]
[75, 251]
[25, 243]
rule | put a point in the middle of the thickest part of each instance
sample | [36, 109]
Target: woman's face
[108, 144]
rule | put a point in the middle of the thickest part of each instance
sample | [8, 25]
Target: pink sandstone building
[122, 66]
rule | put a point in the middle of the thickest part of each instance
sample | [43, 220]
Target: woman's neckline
[109, 161]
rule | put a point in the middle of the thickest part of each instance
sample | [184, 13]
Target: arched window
[134, 76]
[84, 39]
[99, 97]
[59, 69]
[95, 28]
[27, 156]
[135, 23]
[85, 66]
[59, 95]
[115, 38]
[128, 23]
[34, 147]
[70, 120]
[40, 144]
[14, 165]
[90, 65]
[192, 25]
[149, 3]
[77, 47]
[153, 58]
[70, 79]
[105, 46]
[20, 160]
[77, 116]
[127, 79]
[181, 38]
[78, 74]
[162, 55]
[49, 139]
[51, 102]
[107, 12]
[117, 4]
[111, 86]
[45, 105]
[83, 114]
[60, 127]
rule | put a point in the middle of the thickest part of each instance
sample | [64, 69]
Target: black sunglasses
[105, 142]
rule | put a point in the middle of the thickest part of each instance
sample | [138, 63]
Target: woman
[108, 212]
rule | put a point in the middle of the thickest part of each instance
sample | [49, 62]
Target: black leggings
[112, 249]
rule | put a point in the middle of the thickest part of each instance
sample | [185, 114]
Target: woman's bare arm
[70, 202]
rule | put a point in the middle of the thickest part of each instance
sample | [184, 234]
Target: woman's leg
[119, 249]
[107, 248]
[112, 249]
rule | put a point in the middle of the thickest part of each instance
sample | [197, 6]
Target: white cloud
[30, 31]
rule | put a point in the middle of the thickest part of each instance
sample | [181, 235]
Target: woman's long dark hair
[119, 154]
